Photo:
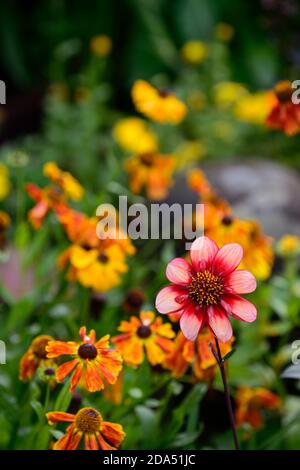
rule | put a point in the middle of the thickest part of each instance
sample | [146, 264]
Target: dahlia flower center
[87, 351]
[206, 288]
[164, 93]
[144, 331]
[88, 420]
[39, 348]
[227, 220]
[103, 258]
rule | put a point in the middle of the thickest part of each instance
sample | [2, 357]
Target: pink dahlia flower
[207, 290]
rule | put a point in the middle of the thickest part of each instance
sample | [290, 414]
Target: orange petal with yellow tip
[90, 442]
[59, 417]
[93, 379]
[60, 348]
[103, 342]
[113, 433]
[103, 444]
[65, 369]
[77, 374]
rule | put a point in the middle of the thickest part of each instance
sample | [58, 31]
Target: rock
[256, 189]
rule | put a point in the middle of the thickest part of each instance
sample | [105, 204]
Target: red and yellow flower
[92, 361]
[87, 426]
[160, 105]
[196, 354]
[144, 334]
[64, 180]
[35, 357]
[152, 172]
[208, 290]
[284, 115]
[250, 405]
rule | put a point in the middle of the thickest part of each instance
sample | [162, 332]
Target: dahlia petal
[64, 370]
[90, 442]
[64, 442]
[240, 282]
[60, 348]
[203, 252]
[227, 259]
[93, 379]
[240, 308]
[113, 433]
[166, 299]
[103, 444]
[77, 374]
[191, 322]
[219, 323]
[178, 271]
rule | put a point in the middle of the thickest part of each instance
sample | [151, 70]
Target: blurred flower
[99, 269]
[284, 115]
[151, 171]
[196, 354]
[4, 181]
[160, 105]
[189, 152]
[197, 182]
[289, 245]
[227, 94]
[206, 291]
[221, 225]
[35, 357]
[254, 107]
[114, 393]
[64, 180]
[46, 198]
[196, 100]
[87, 424]
[250, 405]
[101, 45]
[224, 32]
[144, 333]
[194, 52]
[18, 159]
[134, 300]
[4, 223]
[92, 361]
[134, 135]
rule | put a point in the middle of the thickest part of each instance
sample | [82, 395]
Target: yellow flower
[224, 32]
[64, 180]
[160, 105]
[134, 135]
[101, 45]
[189, 152]
[228, 93]
[4, 181]
[254, 108]
[289, 245]
[152, 172]
[194, 52]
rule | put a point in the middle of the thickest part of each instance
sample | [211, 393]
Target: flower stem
[221, 363]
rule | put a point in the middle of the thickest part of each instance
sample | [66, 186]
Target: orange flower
[34, 357]
[91, 361]
[250, 405]
[150, 171]
[159, 105]
[284, 115]
[88, 425]
[146, 333]
[4, 223]
[46, 198]
[196, 354]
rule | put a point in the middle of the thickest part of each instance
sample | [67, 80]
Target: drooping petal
[113, 433]
[240, 282]
[166, 299]
[65, 369]
[219, 323]
[179, 271]
[203, 252]
[77, 374]
[60, 348]
[191, 321]
[59, 417]
[93, 379]
[64, 442]
[90, 442]
[240, 308]
[227, 259]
